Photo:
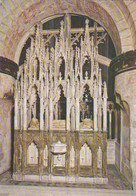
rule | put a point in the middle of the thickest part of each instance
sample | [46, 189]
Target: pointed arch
[86, 69]
[86, 106]
[85, 155]
[62, 68]
[32, 154]
[62, 105]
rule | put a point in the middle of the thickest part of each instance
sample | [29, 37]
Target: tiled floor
[115, 181]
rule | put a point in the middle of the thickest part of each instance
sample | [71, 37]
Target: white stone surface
[125, 86]
[6, 105]
[111, 152]
[60, 179]
[5, 134]
[6, 85]
[117, 154]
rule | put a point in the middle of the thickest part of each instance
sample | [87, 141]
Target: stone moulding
[8, 67]
[124, 62]
[60, 179]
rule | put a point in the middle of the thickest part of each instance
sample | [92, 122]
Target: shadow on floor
[116, 181]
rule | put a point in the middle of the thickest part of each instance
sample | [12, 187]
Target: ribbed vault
[118, 17]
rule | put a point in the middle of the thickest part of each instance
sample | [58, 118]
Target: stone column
[110, 121]
[8, 70]
[77, 114]
[124, 67]
[41, 107]
[77, 154]
[104, 155]
[67, 161]
[116, 123]
[25, 113]
[47, 118]
[51, 114]
[105, 108]
[95, 115]
[49, 153]
[94, 163]
[41, 160]
[24, 152]
[99, 118]
[68, 115]
[56, 111]
[41, 114]
[16, 110]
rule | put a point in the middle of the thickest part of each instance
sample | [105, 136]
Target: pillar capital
[8, 67]
[124, 62]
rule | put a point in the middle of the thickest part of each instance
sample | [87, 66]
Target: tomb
[61, 111]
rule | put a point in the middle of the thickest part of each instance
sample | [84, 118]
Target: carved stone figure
[34, 124]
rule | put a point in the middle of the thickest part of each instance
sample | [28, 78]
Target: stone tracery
[43, 88]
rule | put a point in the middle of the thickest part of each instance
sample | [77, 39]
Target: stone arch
[121, 25]
[108, 13]
[62, 68]
[32, 154]
[86, 68]
[62, 104]
[85, 155]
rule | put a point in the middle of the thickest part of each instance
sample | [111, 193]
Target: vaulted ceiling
[17, 17]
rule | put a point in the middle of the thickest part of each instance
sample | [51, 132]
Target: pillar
[105, 108]
[124, 68]
[94, 163]
[24, 152]
[68, 115]
[8, 70]
[110, 123]
[77, 114]
[51, 114]
[95, 115]
[41, 107]
[47, 118]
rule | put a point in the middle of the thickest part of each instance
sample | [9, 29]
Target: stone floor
[117, 186]
[115, 181]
